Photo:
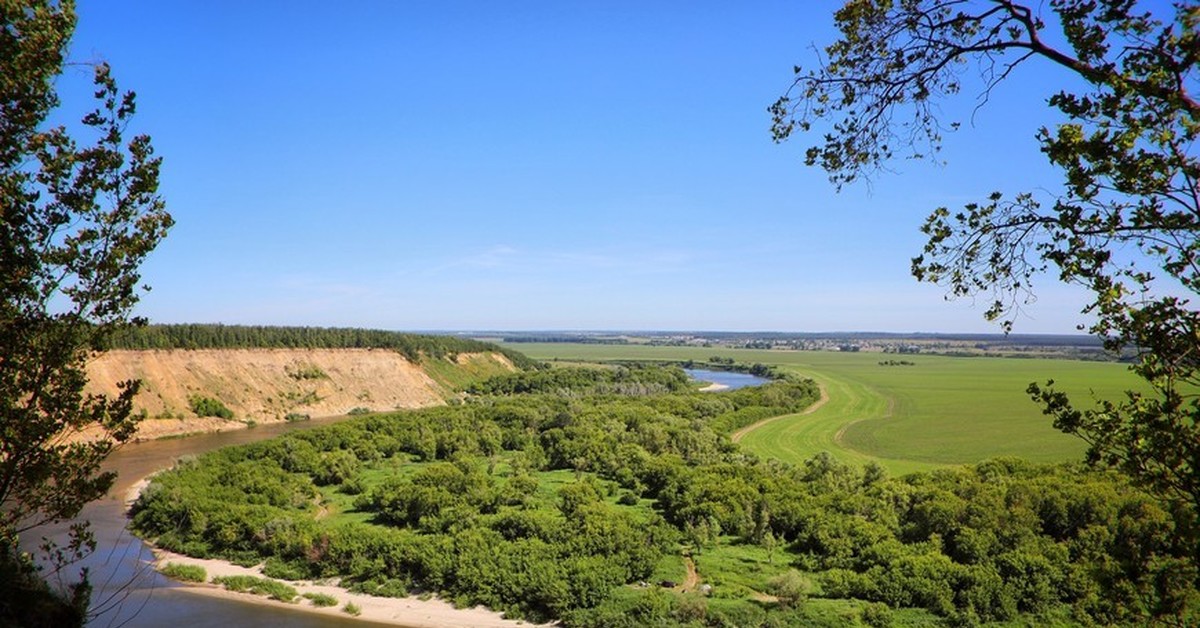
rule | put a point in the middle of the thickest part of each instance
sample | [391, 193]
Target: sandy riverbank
[714, 387]
[411, 611]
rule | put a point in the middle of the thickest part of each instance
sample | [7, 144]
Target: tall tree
[1124, 224]
[77, 221]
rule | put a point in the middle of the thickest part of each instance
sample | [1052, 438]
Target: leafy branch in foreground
[1123, 226]
[76, 222]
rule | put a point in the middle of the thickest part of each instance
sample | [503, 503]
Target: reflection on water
[726, 378]
[128, 592]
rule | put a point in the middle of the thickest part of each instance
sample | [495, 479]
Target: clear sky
[448, 165]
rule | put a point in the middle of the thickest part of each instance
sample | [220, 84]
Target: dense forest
[214, 336]
[564, 496]
[632, 379]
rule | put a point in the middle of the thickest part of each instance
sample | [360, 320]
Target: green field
[942, 410]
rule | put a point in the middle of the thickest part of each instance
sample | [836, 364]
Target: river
[730, 379]
[130, 593]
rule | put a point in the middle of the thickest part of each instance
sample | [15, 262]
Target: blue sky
[530, 165]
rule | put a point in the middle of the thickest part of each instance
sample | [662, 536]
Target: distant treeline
[214, 336]
[766, 338]
[718, 363]
[624, 380]
[580, 340]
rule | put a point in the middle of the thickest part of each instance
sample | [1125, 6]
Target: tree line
[631, 378]
[216, 336]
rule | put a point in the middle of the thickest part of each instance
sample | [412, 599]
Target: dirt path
[759, 596]
[738, 435]
[693, 579]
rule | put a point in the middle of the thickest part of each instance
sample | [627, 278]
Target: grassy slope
[456, 375]
[943, 410]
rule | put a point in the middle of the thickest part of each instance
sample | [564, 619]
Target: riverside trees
[590, 492]
[1124, 224]
[76, 222]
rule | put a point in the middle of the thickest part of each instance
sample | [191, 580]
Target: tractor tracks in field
[740, 434]
[891, 409]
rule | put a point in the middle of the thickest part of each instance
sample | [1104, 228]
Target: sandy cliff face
[265, 385]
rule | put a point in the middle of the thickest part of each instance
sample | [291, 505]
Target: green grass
[670, 567]
[184, 573]
[943, 410]
[456, 376]
[258, 586]
[739, 570]
[320, 599]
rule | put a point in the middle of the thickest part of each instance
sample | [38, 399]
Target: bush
[276, 568]
[293, 417]
[877, 615]
[207, 406]
[184, 573]
[359, 411]
[258, 586]
[791, 587]
[352, 609]
[388, 587]
[305, 371]
[691, 608]
[352, 485]
[320, 599]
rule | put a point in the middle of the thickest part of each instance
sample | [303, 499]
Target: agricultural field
[935, 411]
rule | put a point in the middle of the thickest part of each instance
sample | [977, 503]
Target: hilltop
[199, 378]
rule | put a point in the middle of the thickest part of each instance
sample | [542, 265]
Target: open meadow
[938, 410]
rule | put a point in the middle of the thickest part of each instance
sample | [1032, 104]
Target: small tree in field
[76, 223]
[1125, 223]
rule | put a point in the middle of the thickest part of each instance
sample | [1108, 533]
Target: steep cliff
[268, 385]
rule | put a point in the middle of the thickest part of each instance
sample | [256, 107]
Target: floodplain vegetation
[614, 497]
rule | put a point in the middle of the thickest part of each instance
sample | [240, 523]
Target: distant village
[966, 345]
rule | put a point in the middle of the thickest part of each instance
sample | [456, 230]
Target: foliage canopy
[76, 222]
[557, 504]
[1124, 224]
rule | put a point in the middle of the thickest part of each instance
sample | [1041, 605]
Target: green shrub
[293, 417]
[353, 485]
[791, 587]
[305, 371]
[388, 587]
[877, 615]
[359, 411]
[207, 406]
[258, 586]
[242, 558]
[352, 609]
[276, 568]
[184, 573]
[320, 599]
